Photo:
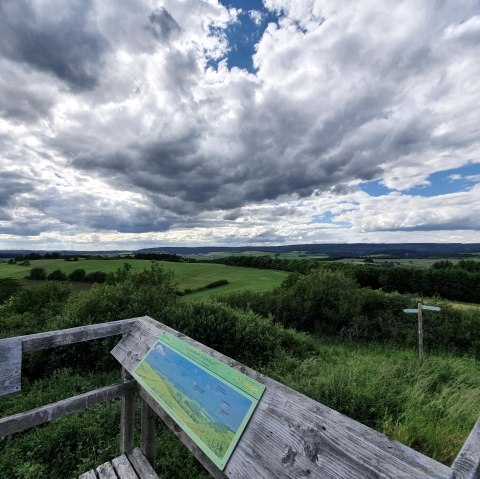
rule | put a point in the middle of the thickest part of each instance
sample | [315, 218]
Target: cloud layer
[115, 126]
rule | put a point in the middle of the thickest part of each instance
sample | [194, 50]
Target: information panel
[209, 400]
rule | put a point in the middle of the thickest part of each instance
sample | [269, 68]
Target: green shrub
[217, 284]
[37, 274]
[95, 277]
[322, 301]
[8, 287]
[77, 275]
[57, 275]
[33, 310]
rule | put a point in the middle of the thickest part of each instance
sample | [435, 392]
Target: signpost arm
[420, 333]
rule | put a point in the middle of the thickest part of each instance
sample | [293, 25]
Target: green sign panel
[209, 400]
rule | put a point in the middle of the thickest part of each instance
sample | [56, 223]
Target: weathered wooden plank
[467, 463]
[148, 432]
[290, 435]
[51, 339]
[106, 471]
[142, 467]
[127, 417]
[10, 366]
[35, 417]
[123, 468]
[88, 475]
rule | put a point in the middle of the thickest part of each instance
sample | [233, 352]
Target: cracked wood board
[290, 435]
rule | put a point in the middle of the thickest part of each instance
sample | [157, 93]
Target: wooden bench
[132, 465]
[288, 436]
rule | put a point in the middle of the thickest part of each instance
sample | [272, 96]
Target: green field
[188, 275]
[287, 255]
[407, 263]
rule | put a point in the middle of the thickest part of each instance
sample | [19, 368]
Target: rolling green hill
[188, 275]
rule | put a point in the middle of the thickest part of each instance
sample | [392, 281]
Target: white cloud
[155, 144]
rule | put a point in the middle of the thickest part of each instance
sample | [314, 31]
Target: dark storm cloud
[90, 211]
[4, 215]
[163, 25]
[12, 185]
[54, 37]
[23, 228]
[23, 98]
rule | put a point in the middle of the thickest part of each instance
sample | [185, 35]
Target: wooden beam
[143, 468]
[148, 432]
[106, 471]
[51, 339]
[467, 463]
[123, 468]
[41, 415]
[289, 435]
[127, 417]
[10, 366]
[88, 475]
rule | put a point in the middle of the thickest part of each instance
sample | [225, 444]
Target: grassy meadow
[188, 275]
[285, 255]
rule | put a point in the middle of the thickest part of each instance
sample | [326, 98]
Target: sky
[126, 125]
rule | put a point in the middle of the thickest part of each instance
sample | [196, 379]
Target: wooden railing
[288, 436]
[11, 350]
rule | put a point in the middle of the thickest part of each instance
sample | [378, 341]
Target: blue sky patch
[448, 181]
[374, 188]
[243, 35]
[325, 218]
[441, 183]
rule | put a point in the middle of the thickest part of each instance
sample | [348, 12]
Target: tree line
[457, 282]
[39, 274]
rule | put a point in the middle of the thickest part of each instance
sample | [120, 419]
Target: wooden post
[467, 463]
[148, 432]
[420, 333]
[127, 418]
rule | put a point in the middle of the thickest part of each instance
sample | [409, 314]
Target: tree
[77, 275]
[57, 275]
[96, 277]
[37, 274]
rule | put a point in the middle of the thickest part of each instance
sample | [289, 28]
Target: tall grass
[431, 408]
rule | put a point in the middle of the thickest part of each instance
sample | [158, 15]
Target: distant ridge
[335, 249]
[400, 250]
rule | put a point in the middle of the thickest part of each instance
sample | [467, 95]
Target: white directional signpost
[419, 310]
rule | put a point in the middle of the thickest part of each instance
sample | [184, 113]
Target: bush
[33, 310]
[77, 275]
[134, 294]
[37, 274]
[95, 277]
[8, 287]
[57, 275]
[217, 284]
[322, 301]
